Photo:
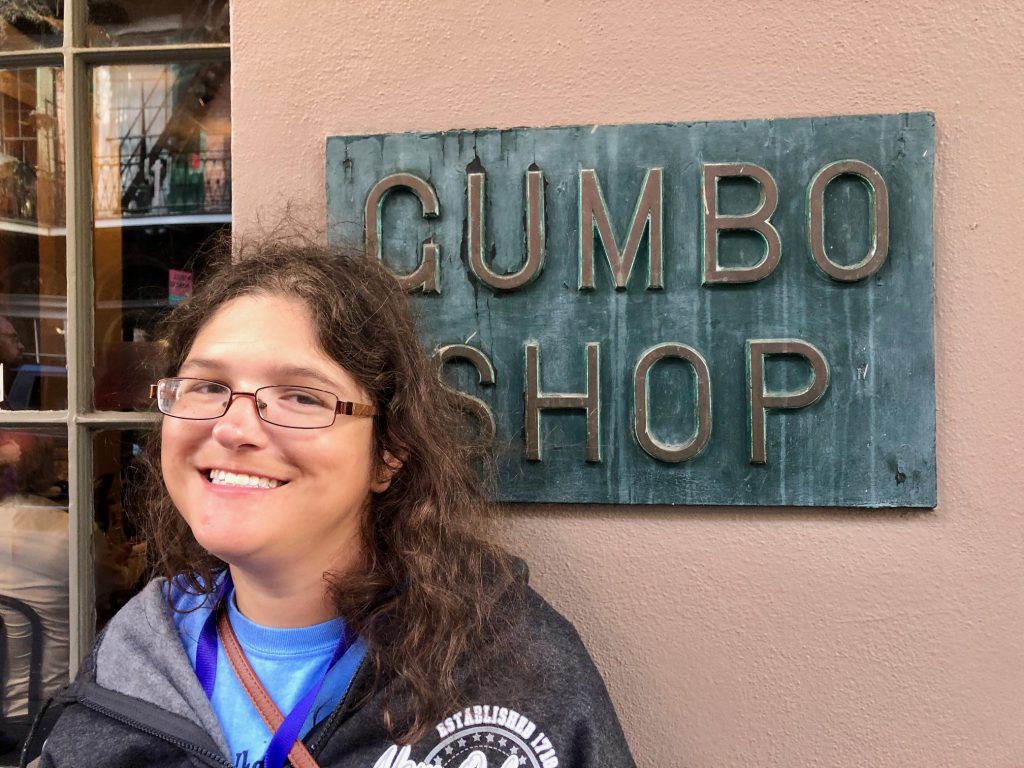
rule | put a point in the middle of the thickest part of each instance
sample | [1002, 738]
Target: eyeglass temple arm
[355, 409]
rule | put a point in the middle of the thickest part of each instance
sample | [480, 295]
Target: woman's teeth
[222, 477]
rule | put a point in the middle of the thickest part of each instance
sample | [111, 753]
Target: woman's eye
[302, 398]
[202, 388]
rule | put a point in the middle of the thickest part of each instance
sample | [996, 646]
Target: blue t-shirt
[288, 661]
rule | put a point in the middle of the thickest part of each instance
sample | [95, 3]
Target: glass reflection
[162, 187]
[33, 575]
[27, 24]
[120, 554]
[33, 283]
[157, 22]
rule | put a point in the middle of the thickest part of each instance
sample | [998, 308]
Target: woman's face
[325, 475]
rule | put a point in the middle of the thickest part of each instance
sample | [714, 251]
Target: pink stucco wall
[737, 637]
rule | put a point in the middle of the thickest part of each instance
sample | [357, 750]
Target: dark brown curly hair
[432, 598]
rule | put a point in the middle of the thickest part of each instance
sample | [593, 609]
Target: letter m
[594, 215]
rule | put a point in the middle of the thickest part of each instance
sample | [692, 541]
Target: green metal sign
[686, 313]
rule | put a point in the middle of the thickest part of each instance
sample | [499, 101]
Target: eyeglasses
[284, 405]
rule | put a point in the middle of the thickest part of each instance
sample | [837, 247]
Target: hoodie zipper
[180, 743]
[187, 746]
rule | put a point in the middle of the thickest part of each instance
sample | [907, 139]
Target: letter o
[879, 196]
[641, 393]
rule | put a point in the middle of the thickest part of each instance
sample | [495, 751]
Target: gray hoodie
[137, 703]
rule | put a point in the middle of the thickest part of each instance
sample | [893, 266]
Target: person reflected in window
[34, 571]
[11, 350]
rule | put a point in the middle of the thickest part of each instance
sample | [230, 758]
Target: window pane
[162, 188]
[33, 281]
[34, 558]
[120, 555]
[156, 22]
[26, 24]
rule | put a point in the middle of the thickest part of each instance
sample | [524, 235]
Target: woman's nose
[241, 424]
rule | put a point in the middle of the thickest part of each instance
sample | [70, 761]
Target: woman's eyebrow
[198, 362]
[280, 373]
[301, 371]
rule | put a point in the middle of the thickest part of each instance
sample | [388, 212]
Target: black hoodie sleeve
[584, 729]
[546, 706]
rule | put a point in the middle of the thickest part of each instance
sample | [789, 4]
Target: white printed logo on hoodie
[481, 736]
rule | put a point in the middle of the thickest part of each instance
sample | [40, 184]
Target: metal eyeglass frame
[343, 407]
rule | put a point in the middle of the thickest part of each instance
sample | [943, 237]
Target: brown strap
[298, 755]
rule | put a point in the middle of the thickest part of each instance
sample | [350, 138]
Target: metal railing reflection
[193, 184]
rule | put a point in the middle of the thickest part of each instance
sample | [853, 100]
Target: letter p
[760, 401]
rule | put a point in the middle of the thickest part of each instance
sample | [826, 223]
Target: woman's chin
[229, 549]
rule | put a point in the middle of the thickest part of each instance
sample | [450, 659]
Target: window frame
[81, 418]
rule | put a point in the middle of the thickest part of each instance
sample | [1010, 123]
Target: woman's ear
[387, 468]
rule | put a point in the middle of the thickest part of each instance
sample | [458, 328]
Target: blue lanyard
[206, 670]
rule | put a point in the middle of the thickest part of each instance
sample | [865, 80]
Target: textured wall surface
[737, 637]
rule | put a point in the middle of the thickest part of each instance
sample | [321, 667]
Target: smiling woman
[212, 467]
[327, 594]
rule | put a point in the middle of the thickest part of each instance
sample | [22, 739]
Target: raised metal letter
[535, 235]
[594, 213]
[757, 221]
[678, 452]
[536, 401]
[427, 275]
[484, 369]
[879, 194]
[760, 401]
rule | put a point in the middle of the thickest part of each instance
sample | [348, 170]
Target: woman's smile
[241, 479]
